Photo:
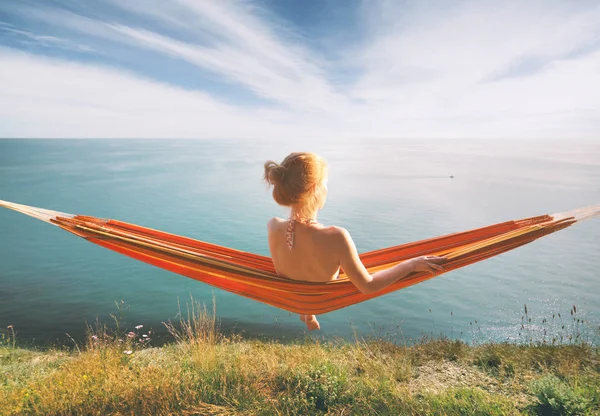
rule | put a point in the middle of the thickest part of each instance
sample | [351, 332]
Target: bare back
[319, 253]
[314, 256]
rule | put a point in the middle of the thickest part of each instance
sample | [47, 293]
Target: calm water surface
[384, 192]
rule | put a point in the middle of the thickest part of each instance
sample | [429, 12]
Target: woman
[304, 249]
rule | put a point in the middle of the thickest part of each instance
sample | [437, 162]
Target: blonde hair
[296, 180]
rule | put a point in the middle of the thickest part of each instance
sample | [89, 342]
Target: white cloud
[43, 97]
[477, 69]
[26, 37]
[241, 48]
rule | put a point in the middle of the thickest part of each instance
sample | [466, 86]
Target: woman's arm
[370, 283]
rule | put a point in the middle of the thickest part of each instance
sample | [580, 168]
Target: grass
[206, 372]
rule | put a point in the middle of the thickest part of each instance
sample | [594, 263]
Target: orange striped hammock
[254, 277]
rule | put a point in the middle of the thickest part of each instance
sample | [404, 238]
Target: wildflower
[145, 336]
[131, 335]
[141, 340]
[95, 337]
[139, 326]
[10, 327]
[128, 352]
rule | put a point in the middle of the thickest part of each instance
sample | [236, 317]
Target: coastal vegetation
[204, 371]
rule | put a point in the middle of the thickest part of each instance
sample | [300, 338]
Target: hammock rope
[253, 275]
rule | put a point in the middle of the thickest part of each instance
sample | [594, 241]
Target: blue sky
[299, 69]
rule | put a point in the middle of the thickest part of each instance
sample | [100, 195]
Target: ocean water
[385, 192]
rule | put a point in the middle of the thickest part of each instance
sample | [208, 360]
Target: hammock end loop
[42, 214]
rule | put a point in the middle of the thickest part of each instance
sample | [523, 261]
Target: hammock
[254, 277]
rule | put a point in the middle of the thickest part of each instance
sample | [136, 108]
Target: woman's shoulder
[335, 235]
[274, 222]
[334, 230]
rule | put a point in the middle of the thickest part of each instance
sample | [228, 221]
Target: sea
[385, 192]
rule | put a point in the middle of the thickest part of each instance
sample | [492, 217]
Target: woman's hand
[428, 264]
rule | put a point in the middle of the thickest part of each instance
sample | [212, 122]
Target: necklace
[289, 234]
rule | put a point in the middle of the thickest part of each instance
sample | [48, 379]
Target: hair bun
[274, 173]
[296, 180]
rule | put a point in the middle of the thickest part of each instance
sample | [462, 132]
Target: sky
[281, 69]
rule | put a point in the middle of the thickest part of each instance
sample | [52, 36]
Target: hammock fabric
[254, 277]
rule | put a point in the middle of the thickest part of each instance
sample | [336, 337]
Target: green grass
[205, 372]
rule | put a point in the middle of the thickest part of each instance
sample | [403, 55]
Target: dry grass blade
[210, 409]
[198, 327]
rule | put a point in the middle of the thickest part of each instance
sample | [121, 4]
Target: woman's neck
[297, 214]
